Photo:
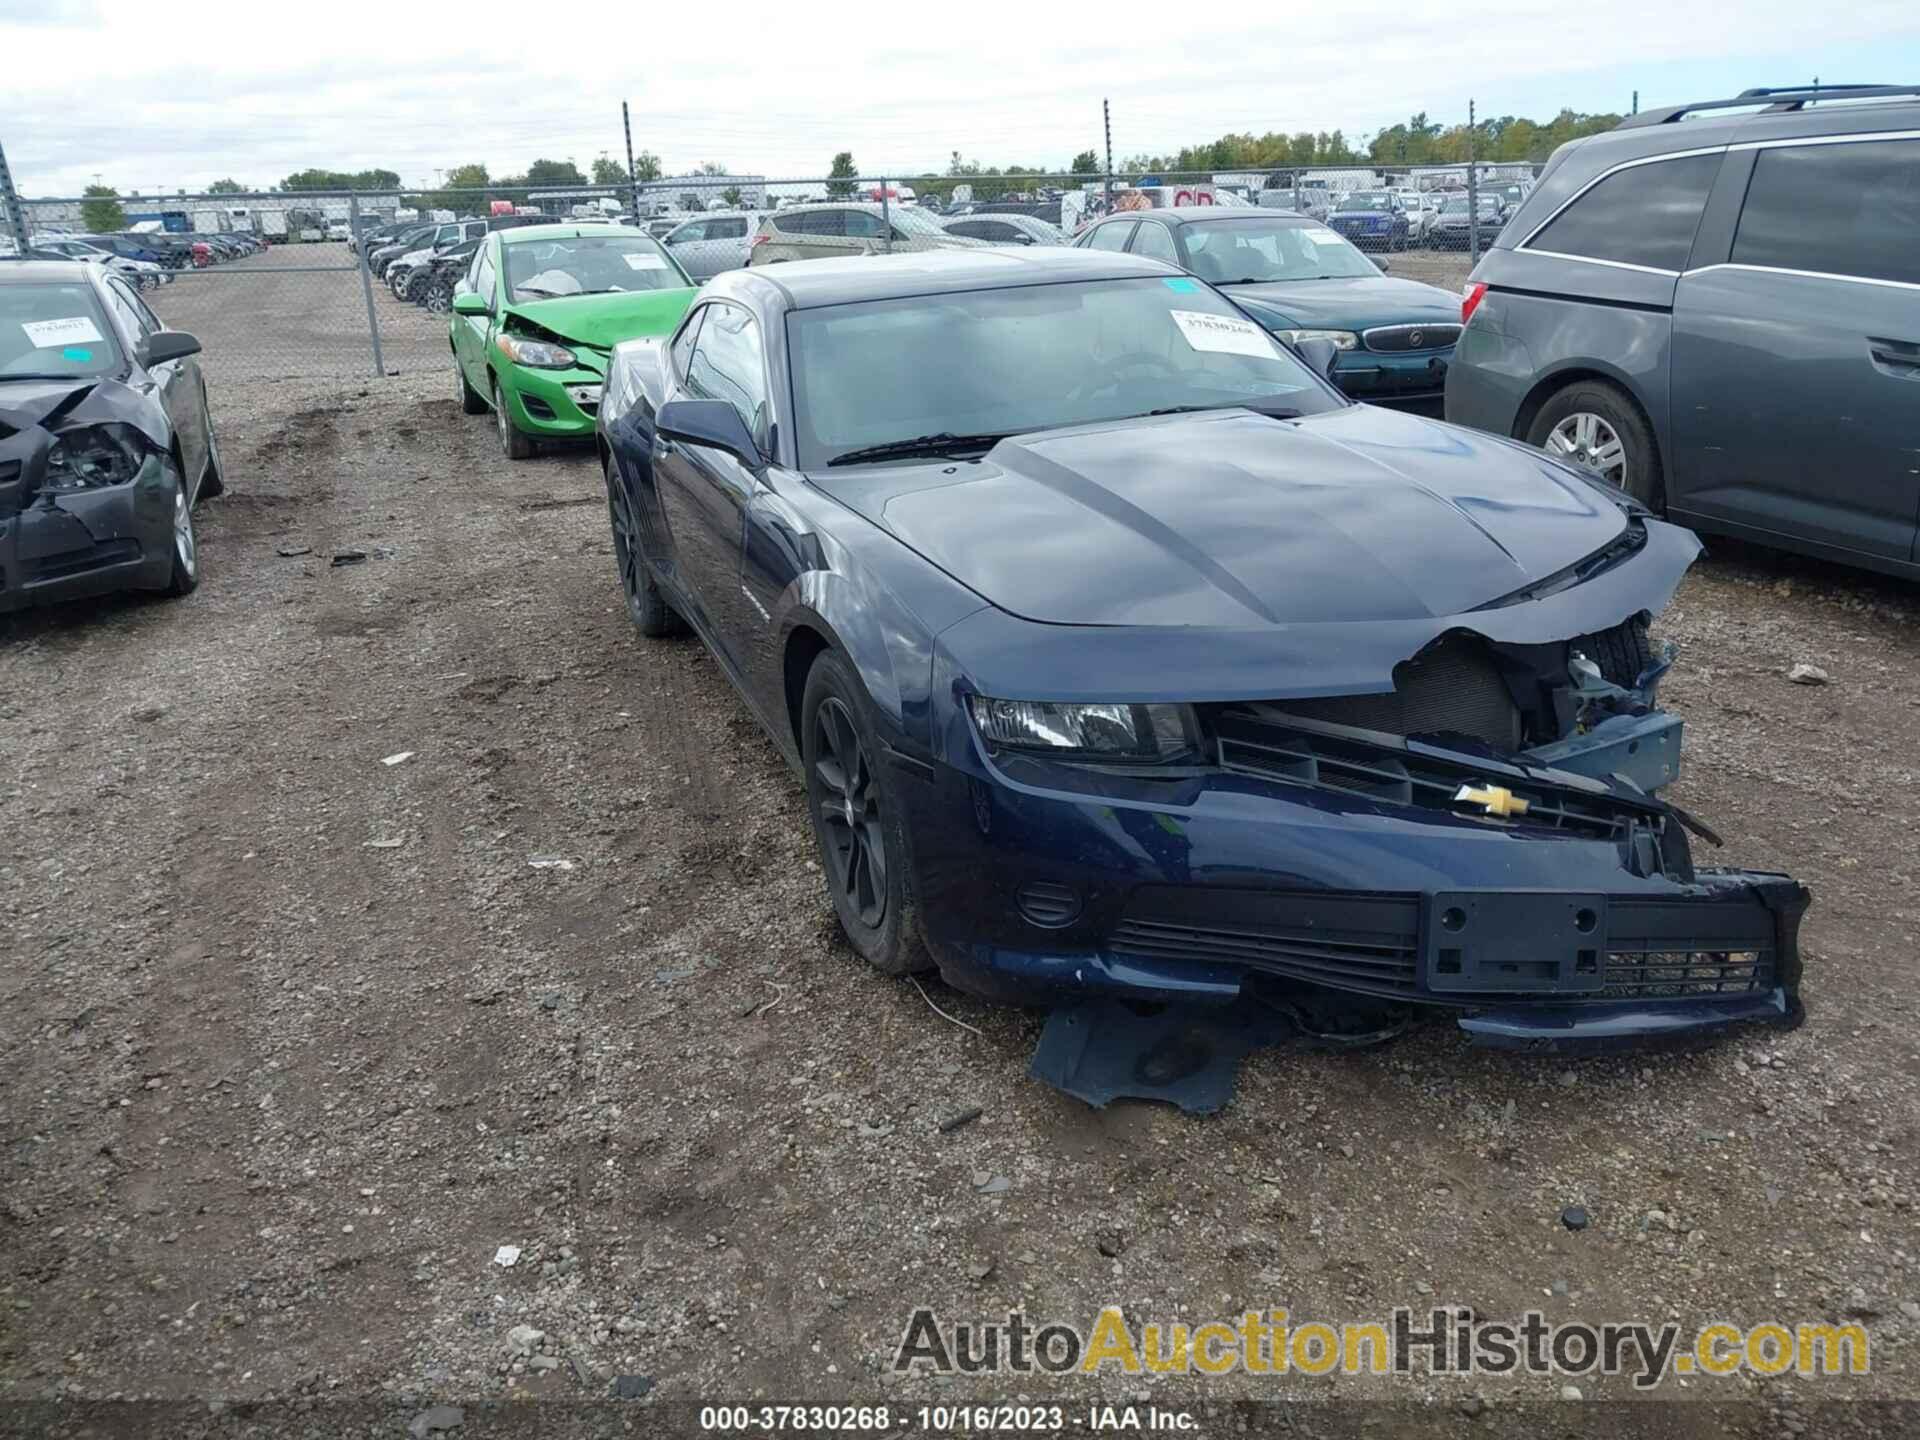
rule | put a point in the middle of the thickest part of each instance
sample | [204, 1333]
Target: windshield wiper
[942, 443]
[1275, 412]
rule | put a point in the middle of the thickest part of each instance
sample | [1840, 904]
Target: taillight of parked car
[759, 238]
[1470, 299]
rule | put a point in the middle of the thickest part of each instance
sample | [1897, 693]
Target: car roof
[849, 202]
[809, 284]
[42, 272]
[516, 234]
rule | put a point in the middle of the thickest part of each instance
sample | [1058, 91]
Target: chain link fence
[352, 283]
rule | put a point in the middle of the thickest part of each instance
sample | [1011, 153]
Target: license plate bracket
[1513, 942]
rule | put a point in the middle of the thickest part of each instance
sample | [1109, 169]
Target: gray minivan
[1720, 312]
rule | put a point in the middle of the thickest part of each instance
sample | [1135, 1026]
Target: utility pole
[1636, 102]
[10, 210]
[1473, 191]
[633, 179]
[1106, 124]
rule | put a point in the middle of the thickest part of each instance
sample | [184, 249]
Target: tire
[1581, 422]
[646, 606]
[513, 443]
[856, 820]
[1624, 653]
[185, 576]
[472, 402]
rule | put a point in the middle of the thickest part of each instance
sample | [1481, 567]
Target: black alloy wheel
[646, 606]
[847, 802]
[856, 823]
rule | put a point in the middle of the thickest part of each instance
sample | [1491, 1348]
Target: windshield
[1005, 362]
[1367, 200]
[588, 265]
[54, 330]
[1243, 251]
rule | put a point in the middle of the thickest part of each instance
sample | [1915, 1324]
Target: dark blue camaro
[1120, 653]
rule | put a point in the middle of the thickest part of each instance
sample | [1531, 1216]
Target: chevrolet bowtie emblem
[1494, 799]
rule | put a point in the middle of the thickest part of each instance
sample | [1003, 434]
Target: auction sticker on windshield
[1324, 237]
[45, 334]
[644, 260]
[1222, 334]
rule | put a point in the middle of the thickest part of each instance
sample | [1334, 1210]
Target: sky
[160, 97]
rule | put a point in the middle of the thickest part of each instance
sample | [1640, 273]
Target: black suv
[1717, 307]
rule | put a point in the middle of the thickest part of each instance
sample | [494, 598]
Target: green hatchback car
[537, 315]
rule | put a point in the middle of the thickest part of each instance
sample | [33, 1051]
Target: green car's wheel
[515, 444]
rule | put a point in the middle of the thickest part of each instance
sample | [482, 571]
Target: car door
[704, 492]
[176, 382]
[1796, 359]
[471, 333]
[864, 233]
[688, 246]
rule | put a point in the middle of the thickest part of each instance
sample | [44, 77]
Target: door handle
[1900, 356]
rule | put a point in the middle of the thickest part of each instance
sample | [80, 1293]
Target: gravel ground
[296, 1039]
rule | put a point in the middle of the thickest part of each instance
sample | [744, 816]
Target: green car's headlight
[1140, 733]
[536, 353]
[1342, 339]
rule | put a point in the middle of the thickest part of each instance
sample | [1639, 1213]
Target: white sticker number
[1223, 334]
[644, 260]
[48, 334]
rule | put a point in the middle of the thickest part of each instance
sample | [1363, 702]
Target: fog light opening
[1047, 903]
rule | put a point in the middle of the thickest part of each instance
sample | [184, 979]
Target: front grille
[78, 562]
[1371, 943]
[1308, 757]
[1393, 339]
[1453, 688]
[1368, 942]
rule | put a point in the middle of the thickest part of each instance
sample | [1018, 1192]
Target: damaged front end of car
[88, 492]
[1456, 814]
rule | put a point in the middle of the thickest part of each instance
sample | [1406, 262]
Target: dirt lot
[278, 1087]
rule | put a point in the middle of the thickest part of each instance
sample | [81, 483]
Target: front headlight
[90, 458]
[536, 353]
[1140, 733]
[1342, 339]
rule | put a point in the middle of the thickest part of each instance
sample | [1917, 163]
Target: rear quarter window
[1644, 215]
[1851, 209]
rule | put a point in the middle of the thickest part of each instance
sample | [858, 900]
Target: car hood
[1236, 520]
[603, 321]
[1355, 304]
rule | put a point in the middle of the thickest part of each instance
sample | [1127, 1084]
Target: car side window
[483, 278]
[698, 230]
[728, 364]
[862, 226]
[125, 316]
[1644, 215]
[682, 347]
[1112, 236]
[732, 228]
[149, 322]
[1153, 240]
[1851, 209]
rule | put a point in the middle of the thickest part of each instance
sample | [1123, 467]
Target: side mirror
[471, 304]
[1384, 266]
[171, 345]
[1023, 240]
[713, 423]
[1318, 355]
